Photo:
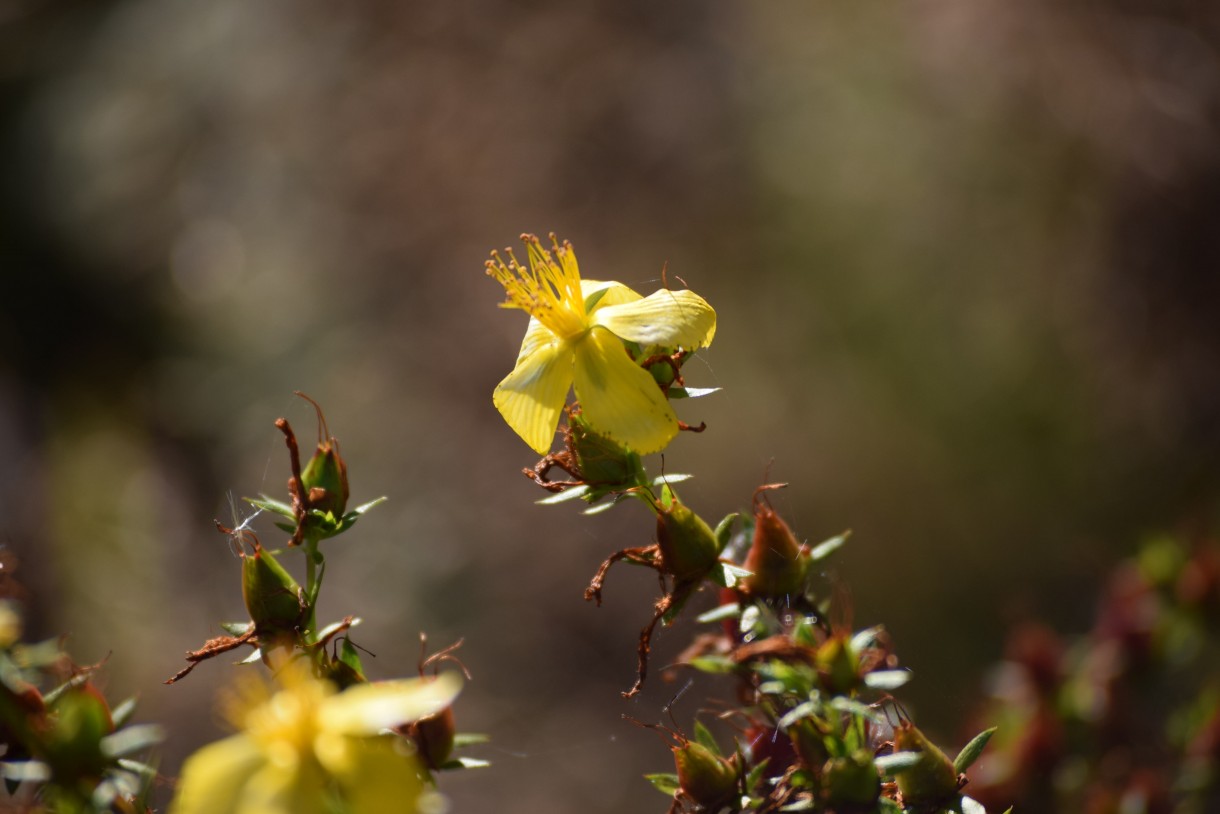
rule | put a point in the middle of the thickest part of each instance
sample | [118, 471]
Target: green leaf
[464, 763]
[805, 710]
[253, 657]
[823, 550]
[667, 784]
[692, 392]
[146, 772]
[865, 638]
[724, 530]
[704, 738]
[236, 628]
[571, 493]
[463, 739]
[887, 680]
[713, 664]
[756, 773]
[122, 713]
[720, 612]
[131, 740]
[362, 509]
[272, 505]
[732, 573]
[971, 751]
[857, 709]
[897, 762]
[801, 805]
[970, 806]
[26, 771]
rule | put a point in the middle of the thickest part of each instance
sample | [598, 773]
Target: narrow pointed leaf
[971, 751]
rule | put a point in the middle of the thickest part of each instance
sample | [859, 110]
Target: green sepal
[350, 656]
[463, 739]
[704, 736]
[236, 628]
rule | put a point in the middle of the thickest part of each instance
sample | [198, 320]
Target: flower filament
[548, 290]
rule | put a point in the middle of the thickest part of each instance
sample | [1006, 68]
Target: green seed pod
[688, 545]
[776, 561]
[706, 778]
[932, 780]
[851, 781]
[599, 460]
[79, 719]
[837, 665]
[662, 373]
[274, 600]
[808, 744]
[324, 479]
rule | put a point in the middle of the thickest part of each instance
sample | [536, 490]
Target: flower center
[549, 290]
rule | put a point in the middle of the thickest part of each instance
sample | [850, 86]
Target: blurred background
[965, 257]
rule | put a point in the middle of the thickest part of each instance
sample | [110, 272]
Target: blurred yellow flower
[307, 749]
[575, 340]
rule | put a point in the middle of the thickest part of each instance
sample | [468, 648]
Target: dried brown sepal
[212, 648]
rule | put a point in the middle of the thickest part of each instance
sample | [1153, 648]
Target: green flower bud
[932, 780]
[776, 561]
[273, 598]
[706, 778]
[851, 780]
[838, 666]
[688, 545]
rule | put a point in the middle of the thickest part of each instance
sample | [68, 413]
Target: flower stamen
[548, 290]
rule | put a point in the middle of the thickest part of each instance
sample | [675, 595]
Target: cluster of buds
[65, 749]
[356, 745]
[812, 698]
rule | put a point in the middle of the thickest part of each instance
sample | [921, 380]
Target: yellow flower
[575, 340]
[307, 749]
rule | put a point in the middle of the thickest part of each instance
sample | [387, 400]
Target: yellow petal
[273, 789]
[618, 398]
[366, 709]
[531, 397]
[214, 778]
[666, 318]
[616, 293]
[381, 777]
[536, 335]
